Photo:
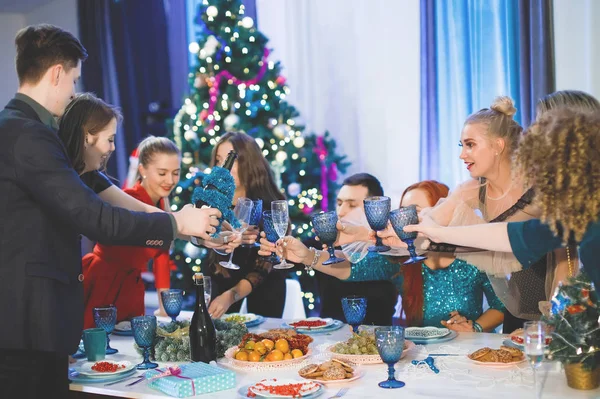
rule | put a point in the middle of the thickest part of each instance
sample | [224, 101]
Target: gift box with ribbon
[190, 379]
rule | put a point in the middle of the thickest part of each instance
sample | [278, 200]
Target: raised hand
[197, 222]
[388, 237]
[289, 247]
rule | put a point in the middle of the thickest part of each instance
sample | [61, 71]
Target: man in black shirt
[381, 295]
[44, 207]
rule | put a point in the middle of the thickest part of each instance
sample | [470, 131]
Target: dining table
[458, 376]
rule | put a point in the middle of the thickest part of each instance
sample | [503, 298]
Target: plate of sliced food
[506, 356]
[361, 349]
[333, 371]
[282, 388]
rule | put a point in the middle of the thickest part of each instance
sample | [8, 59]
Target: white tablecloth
[458, 378]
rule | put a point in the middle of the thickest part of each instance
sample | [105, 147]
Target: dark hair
[86, 114]
[41, 46]
[254, 171]
[366, 180]
[151, 146]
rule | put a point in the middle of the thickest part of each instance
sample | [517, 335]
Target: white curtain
[577, 45]
[353, 69]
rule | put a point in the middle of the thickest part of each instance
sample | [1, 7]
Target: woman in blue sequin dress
[442, 291]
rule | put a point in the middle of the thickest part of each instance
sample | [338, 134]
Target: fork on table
[340, 393]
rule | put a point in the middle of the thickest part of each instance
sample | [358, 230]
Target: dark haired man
[44, 207]
[381, 295]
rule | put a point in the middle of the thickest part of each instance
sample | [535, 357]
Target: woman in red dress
[112, 274]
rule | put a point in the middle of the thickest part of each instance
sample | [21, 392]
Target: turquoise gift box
[194, 379]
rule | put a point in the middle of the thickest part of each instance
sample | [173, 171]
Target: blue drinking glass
[355, 310]
[403, 217]
[106, 318]
[144, 329]
[325, 227]
[172, 301]
[271, 235]
[255, 217]
[390, 344]
[377, 210]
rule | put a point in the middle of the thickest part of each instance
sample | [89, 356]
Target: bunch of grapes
[362, 343]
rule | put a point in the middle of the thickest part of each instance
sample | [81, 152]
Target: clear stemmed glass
[106, 318]
[390, 344]
[281, 219]
[144, 329]
[255, 218]
[355, 310]
[403, 217]
[242, 212]
[377, 210]
[172, 301]
[535, 344]
[271, 235]
[325, 227]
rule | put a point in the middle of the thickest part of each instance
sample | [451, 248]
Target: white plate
[328, 322]
[86, 369]
[123, 326]
[422, 333]
[310, 387]
[248, 317]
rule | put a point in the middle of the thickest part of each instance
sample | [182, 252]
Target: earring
[143, 177]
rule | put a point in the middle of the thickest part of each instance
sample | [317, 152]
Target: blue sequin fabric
[460, 286]
[222, 197]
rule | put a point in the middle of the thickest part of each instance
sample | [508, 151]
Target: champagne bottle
[228, 164]
[203, 336]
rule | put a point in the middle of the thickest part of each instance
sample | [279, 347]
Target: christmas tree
[575, 322]
[237, 87]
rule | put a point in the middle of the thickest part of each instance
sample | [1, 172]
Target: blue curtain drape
[128, 66]
[481, 49]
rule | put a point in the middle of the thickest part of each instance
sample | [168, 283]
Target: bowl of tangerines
[271, 349]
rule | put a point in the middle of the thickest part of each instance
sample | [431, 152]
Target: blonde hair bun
[504, 105]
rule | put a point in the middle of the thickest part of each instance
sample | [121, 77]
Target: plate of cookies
[333, 371]
[506, 356]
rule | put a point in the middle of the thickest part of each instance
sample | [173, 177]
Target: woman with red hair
[442, 288]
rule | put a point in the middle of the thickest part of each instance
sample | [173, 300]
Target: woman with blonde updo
[560, 156]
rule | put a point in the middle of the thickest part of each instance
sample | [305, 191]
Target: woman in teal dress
[442, 291]
[560, 156]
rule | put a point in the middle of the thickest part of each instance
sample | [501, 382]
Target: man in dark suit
[44, 207]
[381, 295]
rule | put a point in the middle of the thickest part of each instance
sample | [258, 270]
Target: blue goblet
[144, 329]
[172, 301]
[390, 344]
[403, 217]
[325, 227]
[106, 318]
[355, 310]
[255, 217]
[271, 235]
[377, 210]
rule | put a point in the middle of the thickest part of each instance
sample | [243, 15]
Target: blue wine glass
[390, 344]
[255, 217]
[325, 227]
[355, 310]
[271, 235]
[106, 318]
[403, 217]
[172, 301]
[377, 210]
[144, 329]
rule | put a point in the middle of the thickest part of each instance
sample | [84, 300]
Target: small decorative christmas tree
[575, 324]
